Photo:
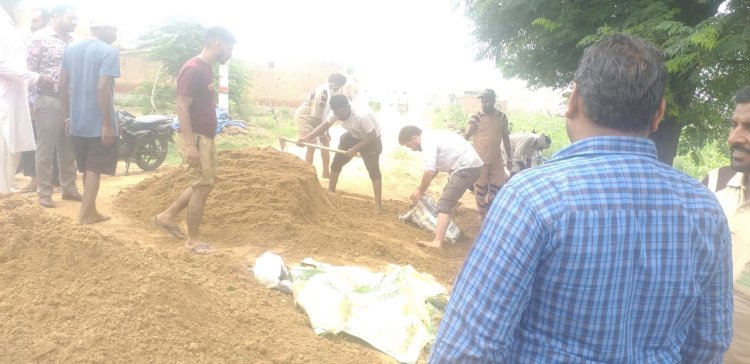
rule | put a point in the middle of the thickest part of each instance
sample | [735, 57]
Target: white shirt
[359, 124]
[732, 200]
[444, 151]
[15, 118]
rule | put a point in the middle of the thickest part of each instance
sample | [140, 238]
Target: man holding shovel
[362, 136]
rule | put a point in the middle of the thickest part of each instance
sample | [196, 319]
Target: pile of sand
[70, 294]
[273, 200]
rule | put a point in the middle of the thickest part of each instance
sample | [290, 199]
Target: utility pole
[224, 87]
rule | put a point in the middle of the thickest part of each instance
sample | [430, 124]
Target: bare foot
[325, 175]
[94, 219]
[377, 210]
[430, 244]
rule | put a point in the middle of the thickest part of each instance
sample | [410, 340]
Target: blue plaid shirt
[603, 255]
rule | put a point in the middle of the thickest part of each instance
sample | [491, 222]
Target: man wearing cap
[489, 129]
[87, 83]
[45, 55]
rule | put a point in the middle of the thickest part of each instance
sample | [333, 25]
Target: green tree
[707, 44]
[172, 44]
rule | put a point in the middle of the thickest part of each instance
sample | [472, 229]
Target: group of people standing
[58, 102]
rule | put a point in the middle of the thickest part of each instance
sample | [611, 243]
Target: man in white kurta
[15, 119]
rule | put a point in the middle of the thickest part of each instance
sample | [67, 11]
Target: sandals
[200, 249]
[173, 230]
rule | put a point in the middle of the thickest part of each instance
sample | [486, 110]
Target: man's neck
[60, 33]
[207, 57]
[588, 129]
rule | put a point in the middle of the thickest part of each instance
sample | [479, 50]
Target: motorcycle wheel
[150, 156]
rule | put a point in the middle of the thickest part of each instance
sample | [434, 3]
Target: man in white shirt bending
[362, 136]
[443, 151]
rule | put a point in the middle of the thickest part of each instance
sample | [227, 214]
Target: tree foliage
[176, 41]
[707, 43]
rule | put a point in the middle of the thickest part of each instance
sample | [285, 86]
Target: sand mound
[272, 200]
[286, 188]
[70, 294]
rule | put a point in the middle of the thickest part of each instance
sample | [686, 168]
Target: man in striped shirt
[603, 254]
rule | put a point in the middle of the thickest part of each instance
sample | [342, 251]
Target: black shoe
[46, 201]
[72, 197]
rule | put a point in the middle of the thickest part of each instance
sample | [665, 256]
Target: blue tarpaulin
[223, 121]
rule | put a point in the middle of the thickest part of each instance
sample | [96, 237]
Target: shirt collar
[608, 145]
[737, 180]
[48, 31]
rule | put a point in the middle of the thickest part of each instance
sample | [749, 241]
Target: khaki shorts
[205, 173]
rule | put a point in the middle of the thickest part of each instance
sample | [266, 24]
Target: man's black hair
[742, 96]
[621, 80]
[218, 33]
[339, 101]
[407, 133]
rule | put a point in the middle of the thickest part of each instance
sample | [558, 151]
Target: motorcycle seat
[148, 122]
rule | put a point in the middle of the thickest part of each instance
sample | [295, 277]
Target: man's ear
[658, 116]
[574, 103]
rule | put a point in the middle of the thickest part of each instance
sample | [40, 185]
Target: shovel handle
[315, 146]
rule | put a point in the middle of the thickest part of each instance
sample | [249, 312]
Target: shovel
[283, 141]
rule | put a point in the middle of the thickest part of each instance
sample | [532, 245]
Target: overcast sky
[417, 45]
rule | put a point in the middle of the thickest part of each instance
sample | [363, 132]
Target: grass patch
[711, 156]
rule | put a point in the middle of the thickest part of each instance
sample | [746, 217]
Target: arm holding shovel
[318, 131]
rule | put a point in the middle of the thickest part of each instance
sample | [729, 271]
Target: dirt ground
[124, 290]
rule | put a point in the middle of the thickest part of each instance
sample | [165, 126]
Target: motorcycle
[143, 140]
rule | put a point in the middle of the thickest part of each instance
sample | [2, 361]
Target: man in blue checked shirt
[604, 254]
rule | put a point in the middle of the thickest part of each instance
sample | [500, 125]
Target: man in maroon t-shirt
[196, 110]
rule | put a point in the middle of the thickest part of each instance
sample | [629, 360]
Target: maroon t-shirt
[196, 79]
